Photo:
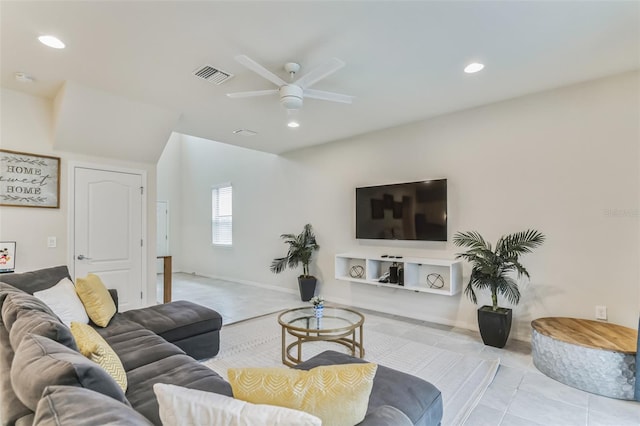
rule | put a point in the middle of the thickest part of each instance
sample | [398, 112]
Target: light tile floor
[518, 396]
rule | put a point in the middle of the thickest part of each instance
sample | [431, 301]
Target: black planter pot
[307, 286]
[494, 325]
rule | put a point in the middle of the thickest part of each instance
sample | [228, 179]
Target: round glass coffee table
[339, 325]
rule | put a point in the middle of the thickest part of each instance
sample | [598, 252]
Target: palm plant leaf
[519, 243]
[468, 291]
[301, 248]
[478, 279]
[491, 269]
[471, 239]
[292, 259]
[278, 265]
[520, 269]
[508, 287]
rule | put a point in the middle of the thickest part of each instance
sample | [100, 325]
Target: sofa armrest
[385, 415]
[114, 295]
[416, 398]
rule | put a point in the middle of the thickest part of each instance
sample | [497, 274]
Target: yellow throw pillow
[338, 394]
[96, 299]
[94, 347]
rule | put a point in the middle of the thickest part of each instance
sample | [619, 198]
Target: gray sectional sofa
[44, 380]
[155, 345]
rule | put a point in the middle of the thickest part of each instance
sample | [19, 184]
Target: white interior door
[108, 224]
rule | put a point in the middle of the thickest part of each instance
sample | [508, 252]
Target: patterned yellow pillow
[96, 299]
[94, 347]
[338, 394]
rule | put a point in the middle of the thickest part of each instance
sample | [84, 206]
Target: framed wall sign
[29, 180]
[7, 256]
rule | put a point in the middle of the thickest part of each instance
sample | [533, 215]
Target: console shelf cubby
[416, 270]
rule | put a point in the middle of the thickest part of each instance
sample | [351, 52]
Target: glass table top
[333, 319]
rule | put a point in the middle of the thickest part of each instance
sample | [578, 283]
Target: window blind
[222, 215]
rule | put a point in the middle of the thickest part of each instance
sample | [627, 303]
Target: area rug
[397, 344]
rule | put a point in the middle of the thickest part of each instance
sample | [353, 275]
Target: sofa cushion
[11, 408]
[176, 320]
[30, 282]
[40, 362]
[93, 346]
[26, 420]
[42, 324]
[69, 405]
[96, 299]
[182, 406]
[338, 394]
[135, 345]
[418, 399]
[16, 303]
[64, 302]
[179, 370]
[5, 290]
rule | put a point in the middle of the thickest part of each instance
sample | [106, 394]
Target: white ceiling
[404, 59]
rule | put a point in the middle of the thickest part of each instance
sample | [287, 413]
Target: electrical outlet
[601, 312]
[52, 242]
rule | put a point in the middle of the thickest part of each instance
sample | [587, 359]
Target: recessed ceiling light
[51, 41]
[23, 77]
[293, 124]
[473, 67]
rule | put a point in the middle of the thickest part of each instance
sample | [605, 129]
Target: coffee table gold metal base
[338, 325]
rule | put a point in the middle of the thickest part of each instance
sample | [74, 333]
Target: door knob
[83, 257]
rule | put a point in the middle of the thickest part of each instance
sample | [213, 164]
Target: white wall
[170, 190]
[564, 162]
[27, 126]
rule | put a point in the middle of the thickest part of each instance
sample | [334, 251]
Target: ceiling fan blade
[260, 70]
[320, 72]
[328, 96]
[252, 93]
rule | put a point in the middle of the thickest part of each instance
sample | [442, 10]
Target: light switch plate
[52, 242]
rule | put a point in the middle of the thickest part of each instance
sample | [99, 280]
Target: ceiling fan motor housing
[291, 96]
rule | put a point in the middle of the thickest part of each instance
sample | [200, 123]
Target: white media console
[416, 270]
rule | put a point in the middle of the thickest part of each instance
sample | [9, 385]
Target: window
[221, 217]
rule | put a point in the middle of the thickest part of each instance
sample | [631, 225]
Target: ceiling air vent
[212, 75]
[244, 132]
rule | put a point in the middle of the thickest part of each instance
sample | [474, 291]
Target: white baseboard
[401, 313]
[251, 283]
[422, 317]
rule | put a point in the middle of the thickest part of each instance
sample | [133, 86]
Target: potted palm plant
[493, 269]
[301, 248]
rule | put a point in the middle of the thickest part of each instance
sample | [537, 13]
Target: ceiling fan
[292, 94]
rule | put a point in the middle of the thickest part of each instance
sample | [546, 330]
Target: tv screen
[404, 211]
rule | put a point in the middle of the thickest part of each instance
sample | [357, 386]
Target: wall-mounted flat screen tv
[404, 211]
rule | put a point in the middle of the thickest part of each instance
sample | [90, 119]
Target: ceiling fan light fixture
[291, 102]
[51, 41]
[291, 96]
[473, 67]
[293, 118]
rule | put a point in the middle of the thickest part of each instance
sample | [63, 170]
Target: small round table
[593, 356]
[339, 325]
